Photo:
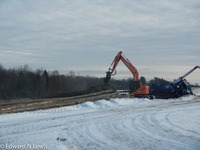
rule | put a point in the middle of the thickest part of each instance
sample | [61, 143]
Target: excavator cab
[134, 85]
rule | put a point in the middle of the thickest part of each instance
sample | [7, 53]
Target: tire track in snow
[179, 127]
[142, 130]
[153, 132]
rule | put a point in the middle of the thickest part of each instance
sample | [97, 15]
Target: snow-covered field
[129, 123]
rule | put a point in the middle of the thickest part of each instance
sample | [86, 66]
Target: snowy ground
[114, 124]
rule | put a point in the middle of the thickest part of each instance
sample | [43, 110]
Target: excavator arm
[136, 86]
[112, 70]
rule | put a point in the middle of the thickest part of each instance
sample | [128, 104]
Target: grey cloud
[81, 33]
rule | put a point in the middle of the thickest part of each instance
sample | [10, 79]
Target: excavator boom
[136, 86]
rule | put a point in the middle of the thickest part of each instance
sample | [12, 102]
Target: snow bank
[122, 102]
[129, 101]
[113, 103]
[86, 105]
[196, 91]
[110, 103]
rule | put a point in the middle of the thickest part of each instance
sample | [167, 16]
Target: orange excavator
[137, 86]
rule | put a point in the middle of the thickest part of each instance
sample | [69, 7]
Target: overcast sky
[160, 37]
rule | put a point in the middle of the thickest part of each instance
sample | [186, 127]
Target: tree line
[23, 82]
